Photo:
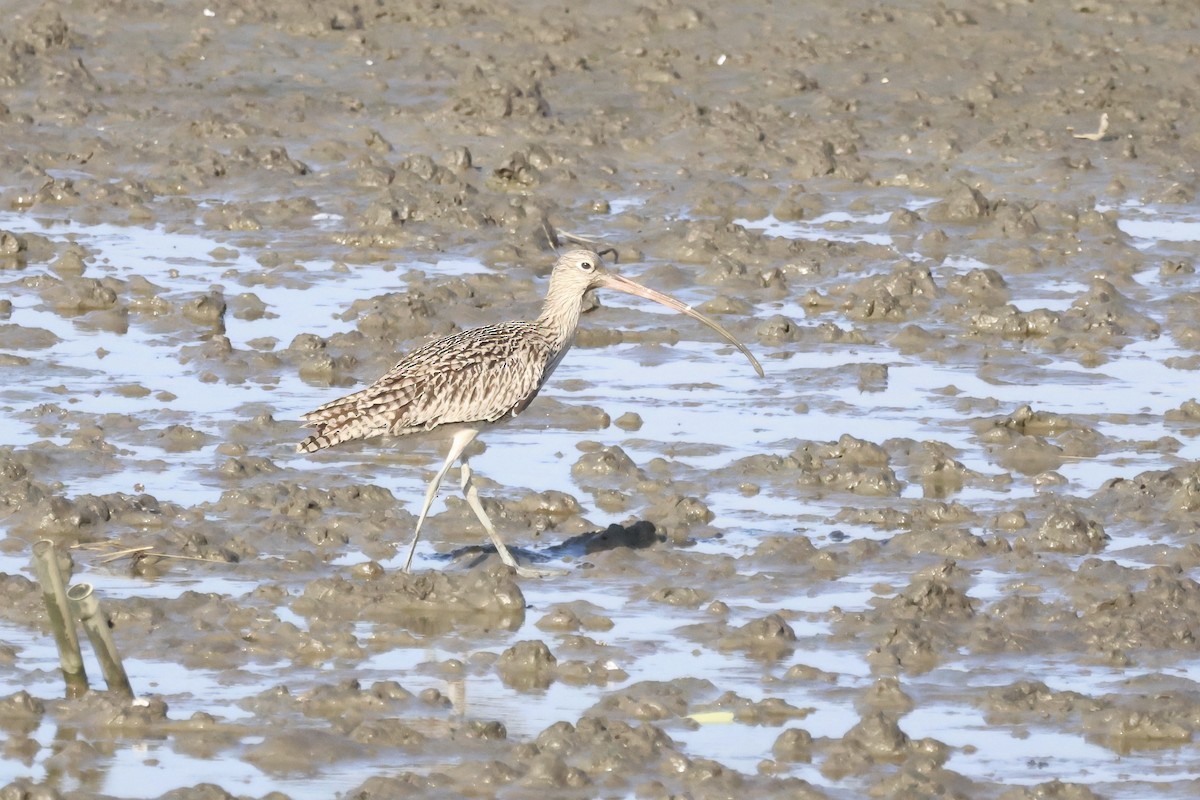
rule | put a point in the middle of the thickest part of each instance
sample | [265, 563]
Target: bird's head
[580, 270]
[577, 271]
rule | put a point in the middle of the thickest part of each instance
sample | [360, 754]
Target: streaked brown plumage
[477, 377]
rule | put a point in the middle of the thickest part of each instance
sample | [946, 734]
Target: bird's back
[480, 375]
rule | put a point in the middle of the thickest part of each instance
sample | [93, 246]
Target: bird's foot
[538, 572]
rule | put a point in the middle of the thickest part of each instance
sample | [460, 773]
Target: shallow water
[732, 415]
[967, 485]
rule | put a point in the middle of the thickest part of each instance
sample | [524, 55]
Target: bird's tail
[337, 429]
[321, 440]
[368, 412]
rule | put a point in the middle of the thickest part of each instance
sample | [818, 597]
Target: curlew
[479, 377]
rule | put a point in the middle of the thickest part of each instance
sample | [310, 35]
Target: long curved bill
[612, 281]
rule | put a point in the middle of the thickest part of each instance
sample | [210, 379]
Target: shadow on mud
[639, 535]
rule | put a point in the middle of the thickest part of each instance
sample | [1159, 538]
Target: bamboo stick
[62, 621]
[97, 626]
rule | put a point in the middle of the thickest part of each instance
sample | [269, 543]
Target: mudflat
[948, 546]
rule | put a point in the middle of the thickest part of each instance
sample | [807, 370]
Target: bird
[480, 377]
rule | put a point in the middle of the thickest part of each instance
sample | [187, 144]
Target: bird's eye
[586, 266]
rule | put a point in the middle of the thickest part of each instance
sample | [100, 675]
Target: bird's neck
[560, 316]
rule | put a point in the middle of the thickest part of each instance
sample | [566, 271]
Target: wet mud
[949, 546]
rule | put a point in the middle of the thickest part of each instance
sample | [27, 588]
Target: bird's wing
[474, 376]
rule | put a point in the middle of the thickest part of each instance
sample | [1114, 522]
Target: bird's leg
[472, 495]
[461, 439]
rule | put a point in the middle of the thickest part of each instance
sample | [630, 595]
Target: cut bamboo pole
[62, 620]
[98, 628]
